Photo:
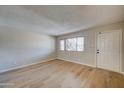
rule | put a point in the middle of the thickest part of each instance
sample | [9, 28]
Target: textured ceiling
[58, 20]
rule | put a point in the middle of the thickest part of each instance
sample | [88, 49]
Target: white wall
[88, 57]
[19, 48]
[85, 57]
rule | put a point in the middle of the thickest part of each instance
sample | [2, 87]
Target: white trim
[122, 72]
[120, 51]
[87, 65]
[96, 35]
[77, 62]
[96, 42]
[14, 68]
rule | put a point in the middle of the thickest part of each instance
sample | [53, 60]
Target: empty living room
[61, 46]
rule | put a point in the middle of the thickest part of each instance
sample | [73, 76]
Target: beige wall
[88, 55]
[19, 48]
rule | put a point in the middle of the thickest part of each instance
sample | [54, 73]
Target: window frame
[83, 43]
[60, 45]
[75, 43]
[65, 44]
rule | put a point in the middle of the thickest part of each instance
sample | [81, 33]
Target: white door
[109, 50]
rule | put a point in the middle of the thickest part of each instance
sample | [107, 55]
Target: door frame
[96, 42]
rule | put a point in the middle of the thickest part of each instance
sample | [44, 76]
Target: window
[71, 44]
[62, 45]
[80, 43]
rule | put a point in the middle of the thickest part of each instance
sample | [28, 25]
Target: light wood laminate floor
[58, 73]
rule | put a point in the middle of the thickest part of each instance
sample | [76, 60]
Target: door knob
[97, 51]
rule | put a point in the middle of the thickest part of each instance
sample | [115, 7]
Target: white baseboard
[122, 73]
[6, 70]
[77, 62]
[84, 64]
